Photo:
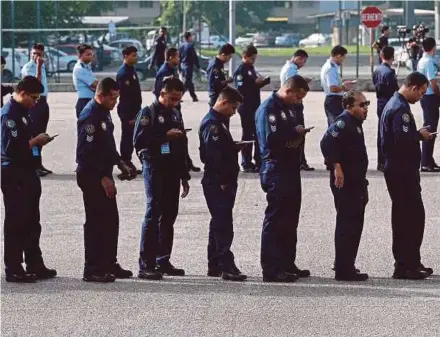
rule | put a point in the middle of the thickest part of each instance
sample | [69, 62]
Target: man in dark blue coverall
[343, 147]
[400, 144]
[160, 46]
[280, 138]
[385, 83]
[159, 139]
[21, 185]
[188, 61]
[219, 153]
[216, 77]
[96, 155]
[130, 102]
[169, 69]
[248, 84]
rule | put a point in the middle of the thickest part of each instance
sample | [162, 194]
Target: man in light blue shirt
[333, 85]
[290, 69]
[39, 113]
[84, 80]
[430, 103]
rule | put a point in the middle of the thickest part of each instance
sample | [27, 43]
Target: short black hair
[250, 50]
[416, 79]
[226, 49]
[30, 85]
[187, 35]
[3, 60]
[171, 52]
[106, 85]
[296, 83]
[173, 84]
[387, 52]
[338, 50]
[82, 48]
[349, 98]
[230, 94]
[163, 29]
[128, 50]
[428, 44]
[301, 53]
[38, 46]
[384, 28]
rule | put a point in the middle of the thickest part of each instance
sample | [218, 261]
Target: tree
[214, 13]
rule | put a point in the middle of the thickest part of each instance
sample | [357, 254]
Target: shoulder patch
[214, 129]
[127, 82]
[239, 78]
[90, 129]
[10, 124]
[272, 118]
[340, 124]
[144, 120]
[215, 70]
[406, 118]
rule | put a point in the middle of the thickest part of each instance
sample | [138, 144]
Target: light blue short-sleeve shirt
[330, 76]
[83, 78]
[30, 69]
[290, 69]
[426, 66]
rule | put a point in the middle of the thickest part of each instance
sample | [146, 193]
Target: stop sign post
[371, 17]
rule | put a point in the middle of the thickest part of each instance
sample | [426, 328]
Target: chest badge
[175, 118]
[359, 130]
[272, 119]
[161, 119]
[25, 122]
[104, 126]
[134, 76]
[283, 116]
[239, 78]
[291, 113]
[10, 124]
[406, 118]
[144, 120]
[127, 82]
[250, 72]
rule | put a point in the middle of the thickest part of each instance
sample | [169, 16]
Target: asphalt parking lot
[195, 305]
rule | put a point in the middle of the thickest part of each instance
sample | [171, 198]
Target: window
[121, 4]
[306, 4]
[284, 4]
[146, 4]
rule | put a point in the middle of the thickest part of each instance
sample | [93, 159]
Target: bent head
[171, 93]
[107, 93]
[228, 101]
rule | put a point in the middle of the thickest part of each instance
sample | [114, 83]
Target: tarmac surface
[196, 305]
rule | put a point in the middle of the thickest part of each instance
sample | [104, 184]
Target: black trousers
[299, 111]
[407, 216]
[40, 118]
[21, 189]
[430, 106]
[188, 81]
[126, 145]
[101, 228]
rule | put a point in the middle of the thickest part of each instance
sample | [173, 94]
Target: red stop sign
[371, 16]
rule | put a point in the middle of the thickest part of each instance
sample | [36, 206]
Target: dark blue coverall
[21, 187]
[160, 46]
[219, 153]
[244, 80]
[96, 155]
[188, 60]
[344, 143]
[401, 148]
[280, 177]
[130, 101]
[164, 71]
[164, 167]
[385, 83]
[216, 75]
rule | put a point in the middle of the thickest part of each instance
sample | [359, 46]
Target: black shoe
[194, 168]
[381, 167]
[21, 277]
[99, 277]
[170, 270]
[351, 276]
[280, 277]
[42, 168]
[427, 270]
[42, 173]
[195, 99]
[409, 274]
[306, 167]
[212, 272]
[251, 169]
[119, 272]
[299, 272]
[431, 169]
[357, 270]
[42, 273]
[150, 274]
[436, 166]
[138, 171]
[233, 275]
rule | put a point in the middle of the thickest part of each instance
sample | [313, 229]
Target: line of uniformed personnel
[159, 137]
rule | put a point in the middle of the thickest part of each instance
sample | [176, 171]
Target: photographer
[382, 41]
[413, 51]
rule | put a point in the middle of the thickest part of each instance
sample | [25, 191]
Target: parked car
[287, 40]
[263, 40]
[70, 49]
[123, 43]
[315, 40]
[215, 41]
[245, 40]
[8, 74]
[60, 61]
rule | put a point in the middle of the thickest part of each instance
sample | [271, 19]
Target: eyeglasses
[364, 104]
[35, 97]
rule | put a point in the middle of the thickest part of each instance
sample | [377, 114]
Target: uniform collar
[99, 107]
[217, 116]
[386, 65]
[20, 107]
[428, 56]
[162, 107]
[401, 98]
[218, 62]
[333, 63]
[292, 64]
[128, 66]
[277, 99]
[355, 120]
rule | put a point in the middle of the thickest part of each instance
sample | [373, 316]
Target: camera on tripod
[402, 31]
[420, 31]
